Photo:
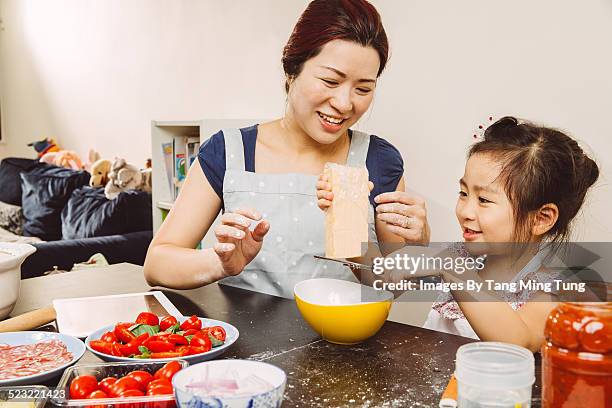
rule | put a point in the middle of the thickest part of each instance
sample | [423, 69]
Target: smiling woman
[264, 177]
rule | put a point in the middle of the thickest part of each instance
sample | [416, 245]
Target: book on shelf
[168, 154]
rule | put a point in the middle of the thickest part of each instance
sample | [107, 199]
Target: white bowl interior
[228, 369]
[336, 292]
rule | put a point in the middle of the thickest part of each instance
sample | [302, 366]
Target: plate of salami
[31, 357]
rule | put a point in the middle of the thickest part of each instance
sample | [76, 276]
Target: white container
[494, 375]
[11, 257]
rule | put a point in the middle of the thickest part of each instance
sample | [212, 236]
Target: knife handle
[29, 320]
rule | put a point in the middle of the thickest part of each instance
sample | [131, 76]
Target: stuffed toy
[44, 146]
[122, 177]
[99, 173]
[63, 158]
[93, 157]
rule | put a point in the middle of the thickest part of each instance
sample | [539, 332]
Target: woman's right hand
[238, 245]
[324, 193]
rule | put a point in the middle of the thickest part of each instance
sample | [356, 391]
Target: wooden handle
[449, 397]
[29, 320]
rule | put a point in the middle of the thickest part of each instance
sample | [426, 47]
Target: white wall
[93, 73]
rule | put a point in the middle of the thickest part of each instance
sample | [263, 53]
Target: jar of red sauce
[577, 356]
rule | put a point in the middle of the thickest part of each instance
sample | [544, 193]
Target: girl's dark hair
[540, 165]
[327, 20]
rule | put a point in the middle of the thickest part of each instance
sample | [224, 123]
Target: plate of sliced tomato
[152, 337]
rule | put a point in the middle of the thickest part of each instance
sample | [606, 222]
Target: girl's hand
[405, 216]
[238, 245]
[324, 193]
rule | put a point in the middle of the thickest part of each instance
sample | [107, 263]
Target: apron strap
[358, 150]
[234, 149]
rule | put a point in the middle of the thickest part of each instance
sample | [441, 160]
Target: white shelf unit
[167, 132]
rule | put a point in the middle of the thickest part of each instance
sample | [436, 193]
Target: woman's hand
[324, 193]
[405, 215]
[238, 245]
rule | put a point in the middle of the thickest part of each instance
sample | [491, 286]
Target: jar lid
[495, 365]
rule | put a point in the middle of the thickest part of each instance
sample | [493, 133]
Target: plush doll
[63, 158]
[44, 146]
[99, 173]
[122, 177]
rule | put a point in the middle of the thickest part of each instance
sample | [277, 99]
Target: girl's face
[483, 209]
[334, 89]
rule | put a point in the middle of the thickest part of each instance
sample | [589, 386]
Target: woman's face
[334, 89]
[483, 210]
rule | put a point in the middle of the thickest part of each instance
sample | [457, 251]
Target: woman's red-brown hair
[327, 20]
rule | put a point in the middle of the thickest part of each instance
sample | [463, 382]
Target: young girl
[522, 187]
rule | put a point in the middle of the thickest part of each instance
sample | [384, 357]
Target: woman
[264, 177]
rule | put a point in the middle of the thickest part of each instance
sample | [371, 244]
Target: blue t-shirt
[384, 162]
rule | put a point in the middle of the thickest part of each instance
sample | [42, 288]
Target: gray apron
[297, 224]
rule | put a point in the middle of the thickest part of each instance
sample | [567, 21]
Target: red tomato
[131, 393]
[97, 394]
[217, 332]
[109, 337]
[182, 350]
[123, 334]
[106, 383]
[129, 349]
[190, 332]
[147, 318]
[178, 340]
[167, 322]
[159, 387]
[101, 346]
[192, 323]
[160, 346]
[124, 384]
[196, 350]
[201, 341]
[166, 354]
[168, 370]
[142, 377]
[82, 386]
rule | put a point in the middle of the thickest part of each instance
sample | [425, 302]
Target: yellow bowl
[340, 311]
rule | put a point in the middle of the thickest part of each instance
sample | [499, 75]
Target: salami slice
[31, 359]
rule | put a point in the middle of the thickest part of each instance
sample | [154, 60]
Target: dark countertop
[401, 366]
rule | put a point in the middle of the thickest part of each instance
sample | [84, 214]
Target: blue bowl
[268, 397]
[73, 345]
[230, 338]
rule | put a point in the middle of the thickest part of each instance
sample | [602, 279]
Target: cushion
[44, 195]
[10, 168]
[11, 218]
[89, 213]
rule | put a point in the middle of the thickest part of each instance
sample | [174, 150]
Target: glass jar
[577, 356]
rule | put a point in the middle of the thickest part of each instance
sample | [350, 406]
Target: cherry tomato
[166, 354]
[106, 383]
[168, 370]
[201, 341]
[190, 332]
[217, 332]
[160, 346]
[129, 349]
[130, 393]
[123, 384]
[123, 334]
[192, 323]
[167, 322]
[159, 387]
[178, 340]
[142, 377]
[182, 350]
[97, 394]
[82, 386]
[196, 350]
[101, 346]
[109, 337]
[147, 318]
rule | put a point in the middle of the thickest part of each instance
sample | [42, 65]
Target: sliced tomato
[178, 340]
[160, 346]
[201, 341]
[129, 349]
[192, 323]
[109, 337]
[167, 322]
[190, 332]
[182, 350]
[101, 346]
[123, 334]
[196, 350]
[217, 332]
[148, 318]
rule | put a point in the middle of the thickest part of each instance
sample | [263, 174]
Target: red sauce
[577, 356]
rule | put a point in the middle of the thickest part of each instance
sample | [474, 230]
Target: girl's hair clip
[478, 133]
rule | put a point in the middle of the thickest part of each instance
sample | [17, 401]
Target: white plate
[231, 335]
[73, 345]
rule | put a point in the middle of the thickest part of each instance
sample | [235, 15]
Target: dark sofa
[75, 220]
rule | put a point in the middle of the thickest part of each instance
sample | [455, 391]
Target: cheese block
[346, 220]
